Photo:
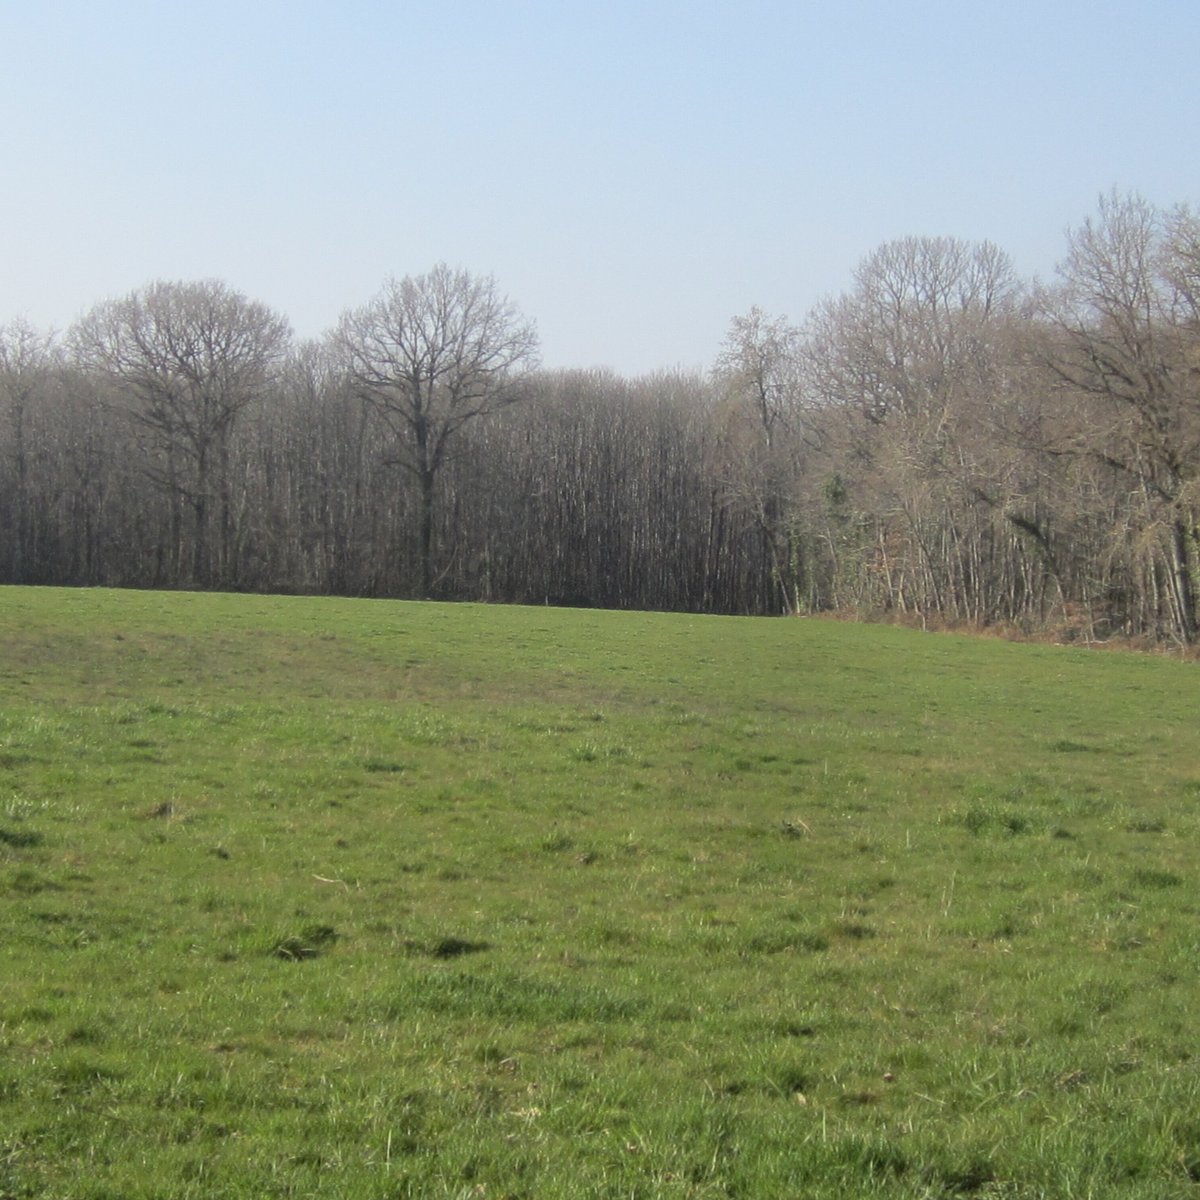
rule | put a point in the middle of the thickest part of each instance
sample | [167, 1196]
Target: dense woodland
[943, 442]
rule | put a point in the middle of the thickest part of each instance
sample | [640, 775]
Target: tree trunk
[1181, 580]
[425, 523]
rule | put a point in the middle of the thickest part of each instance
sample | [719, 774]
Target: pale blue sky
[633, 174]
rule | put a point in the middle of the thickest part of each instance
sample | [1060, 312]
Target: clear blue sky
[633, 174]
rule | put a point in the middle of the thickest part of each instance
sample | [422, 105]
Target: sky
[633, 175]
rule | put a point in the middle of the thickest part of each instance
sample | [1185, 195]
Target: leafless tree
[29, 360]
[429, 354]
[26, 358]
[907, 332]
[910, 372]
[1125, 348]
[183, 361]
[760, 383]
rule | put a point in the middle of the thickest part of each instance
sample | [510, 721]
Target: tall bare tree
[429, 354]
[1125, 345]
[759, 380]
[909, 368]
[27, 359]
[907, 334]
[183, 361]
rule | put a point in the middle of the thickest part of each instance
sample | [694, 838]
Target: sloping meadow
[312, 897]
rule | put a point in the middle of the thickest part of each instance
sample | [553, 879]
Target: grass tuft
[20, 839]
[310, 942]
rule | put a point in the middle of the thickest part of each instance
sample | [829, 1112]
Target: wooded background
[945, 441]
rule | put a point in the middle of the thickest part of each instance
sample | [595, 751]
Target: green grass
[310, 897]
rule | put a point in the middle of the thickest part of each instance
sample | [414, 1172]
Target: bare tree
[759, 380]
[27, 360]
[909, 369]
[183, 361]
[907, 334]
[429, 354]
[759, 365]
[1125, 346]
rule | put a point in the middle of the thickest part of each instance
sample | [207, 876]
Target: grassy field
[362, 899]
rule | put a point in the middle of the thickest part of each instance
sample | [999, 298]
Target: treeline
[944, 441]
